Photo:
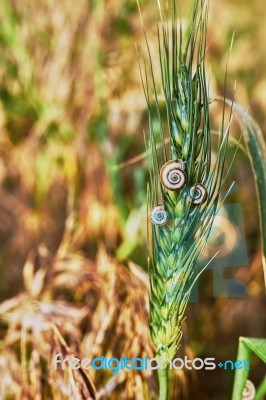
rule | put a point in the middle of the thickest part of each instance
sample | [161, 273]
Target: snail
[198, 193]
[172, 175]
[249, 391]
[159, 216]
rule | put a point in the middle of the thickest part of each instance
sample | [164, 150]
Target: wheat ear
[185, 183]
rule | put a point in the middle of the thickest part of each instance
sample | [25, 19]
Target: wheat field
[73, 193]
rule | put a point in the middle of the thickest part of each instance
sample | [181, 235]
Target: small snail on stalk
[172, 175]
[249, 391]
[198, 194]
[159, 216]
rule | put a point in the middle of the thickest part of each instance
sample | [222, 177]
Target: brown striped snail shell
[249, 391]
[172, 175]
[159, 215]
[198, 193]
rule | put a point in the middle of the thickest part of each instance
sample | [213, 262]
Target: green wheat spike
[176, 244]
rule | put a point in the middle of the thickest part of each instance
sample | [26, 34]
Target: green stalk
[163, 375]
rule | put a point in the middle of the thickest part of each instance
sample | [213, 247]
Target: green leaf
[261, 391]
[258, 346]
[246, 347]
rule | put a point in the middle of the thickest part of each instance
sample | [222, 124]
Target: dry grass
[78, 308]
[73, 306]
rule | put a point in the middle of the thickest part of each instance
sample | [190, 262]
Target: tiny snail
[172, 175]
[159, 216]
[249, 391]
[198, 193]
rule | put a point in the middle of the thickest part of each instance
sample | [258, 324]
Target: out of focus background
[73, 253]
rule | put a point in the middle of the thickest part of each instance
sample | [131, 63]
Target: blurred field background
[73, 226]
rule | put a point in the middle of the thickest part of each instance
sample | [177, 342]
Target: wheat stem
[163, 375]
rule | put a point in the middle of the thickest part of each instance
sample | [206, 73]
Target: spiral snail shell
[198, 193]
[172, 175]
[159, 216]
[249, 391]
